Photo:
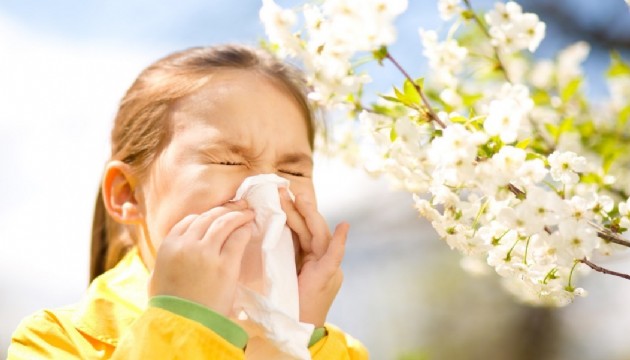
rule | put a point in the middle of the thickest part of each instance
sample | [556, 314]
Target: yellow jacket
[113, 321]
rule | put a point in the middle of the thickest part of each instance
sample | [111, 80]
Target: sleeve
[216, 322]
[338, 345]
[46, 336]
[163, 334]
[156, 334]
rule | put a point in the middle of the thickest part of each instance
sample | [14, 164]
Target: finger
[295, 220]
[316, 224]
[334, 254]
[234, 246]
[183, 224]
[200, 225]
[224, 226]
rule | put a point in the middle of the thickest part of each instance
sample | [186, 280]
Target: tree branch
[482, 26]
[613, 238]
[432, 115]
[604, 270]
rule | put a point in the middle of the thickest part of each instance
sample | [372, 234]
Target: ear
[119, 193]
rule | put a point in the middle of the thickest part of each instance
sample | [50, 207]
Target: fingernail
[239, 202]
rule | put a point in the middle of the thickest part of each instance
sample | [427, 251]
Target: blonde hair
[142, 128]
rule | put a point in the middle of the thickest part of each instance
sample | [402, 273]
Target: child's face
[238, 125]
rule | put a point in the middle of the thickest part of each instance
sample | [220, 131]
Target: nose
[260, 169]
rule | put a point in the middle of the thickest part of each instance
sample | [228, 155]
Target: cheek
[190, 191]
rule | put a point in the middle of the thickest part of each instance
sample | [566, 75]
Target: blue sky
[145, 23]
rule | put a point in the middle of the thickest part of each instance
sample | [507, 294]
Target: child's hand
[320, 276]
[200, 259]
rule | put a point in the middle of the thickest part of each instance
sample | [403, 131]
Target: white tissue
[267, 302]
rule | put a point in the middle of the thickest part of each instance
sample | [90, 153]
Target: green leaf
[468, 14]
[523, 143]
[571, 89]
[586, 129]
[380, 54]
[380, 109]
[420, 82]
[390, 98]
[471, 99]
[556, 130]
[609, 159]
[411, 93]
[566, 125]
[403, 98]
[458, 119]
[532, 156]
[553, 130]
[617, 66]
[541, 97]
[591, 178]
[269, 46]
[623, 117]
[392, 134]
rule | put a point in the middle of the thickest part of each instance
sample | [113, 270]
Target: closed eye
[230, 163]
[292, 173]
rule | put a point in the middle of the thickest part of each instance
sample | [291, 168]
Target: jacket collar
[114, 300]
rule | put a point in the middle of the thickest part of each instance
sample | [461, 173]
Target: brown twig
[613, 238]
[608, 235]
[604, 270]
[520, 194]
[483, 28]
[432, 115]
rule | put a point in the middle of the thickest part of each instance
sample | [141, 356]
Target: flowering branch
[500, 65]
[518, 161]
[604, 270]
[432, 115]
[602, 233]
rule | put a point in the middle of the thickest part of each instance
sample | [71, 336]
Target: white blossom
[449, 8]
[619, 88]
[445, 58]
[503, 120]
[454, 154]
[570, 62]
[484, 178]
[531, 172]
[278, 25]
[451, 97]
[512, 30]
[507, 112]
[542, 74]
[578, 240]
[335, 31]
[509, 160]
[565, 166]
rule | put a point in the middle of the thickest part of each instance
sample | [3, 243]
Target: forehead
[245, 105]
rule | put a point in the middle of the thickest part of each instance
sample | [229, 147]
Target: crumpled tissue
[267, 300]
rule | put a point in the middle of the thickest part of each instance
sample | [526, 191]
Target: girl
[167, 241]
